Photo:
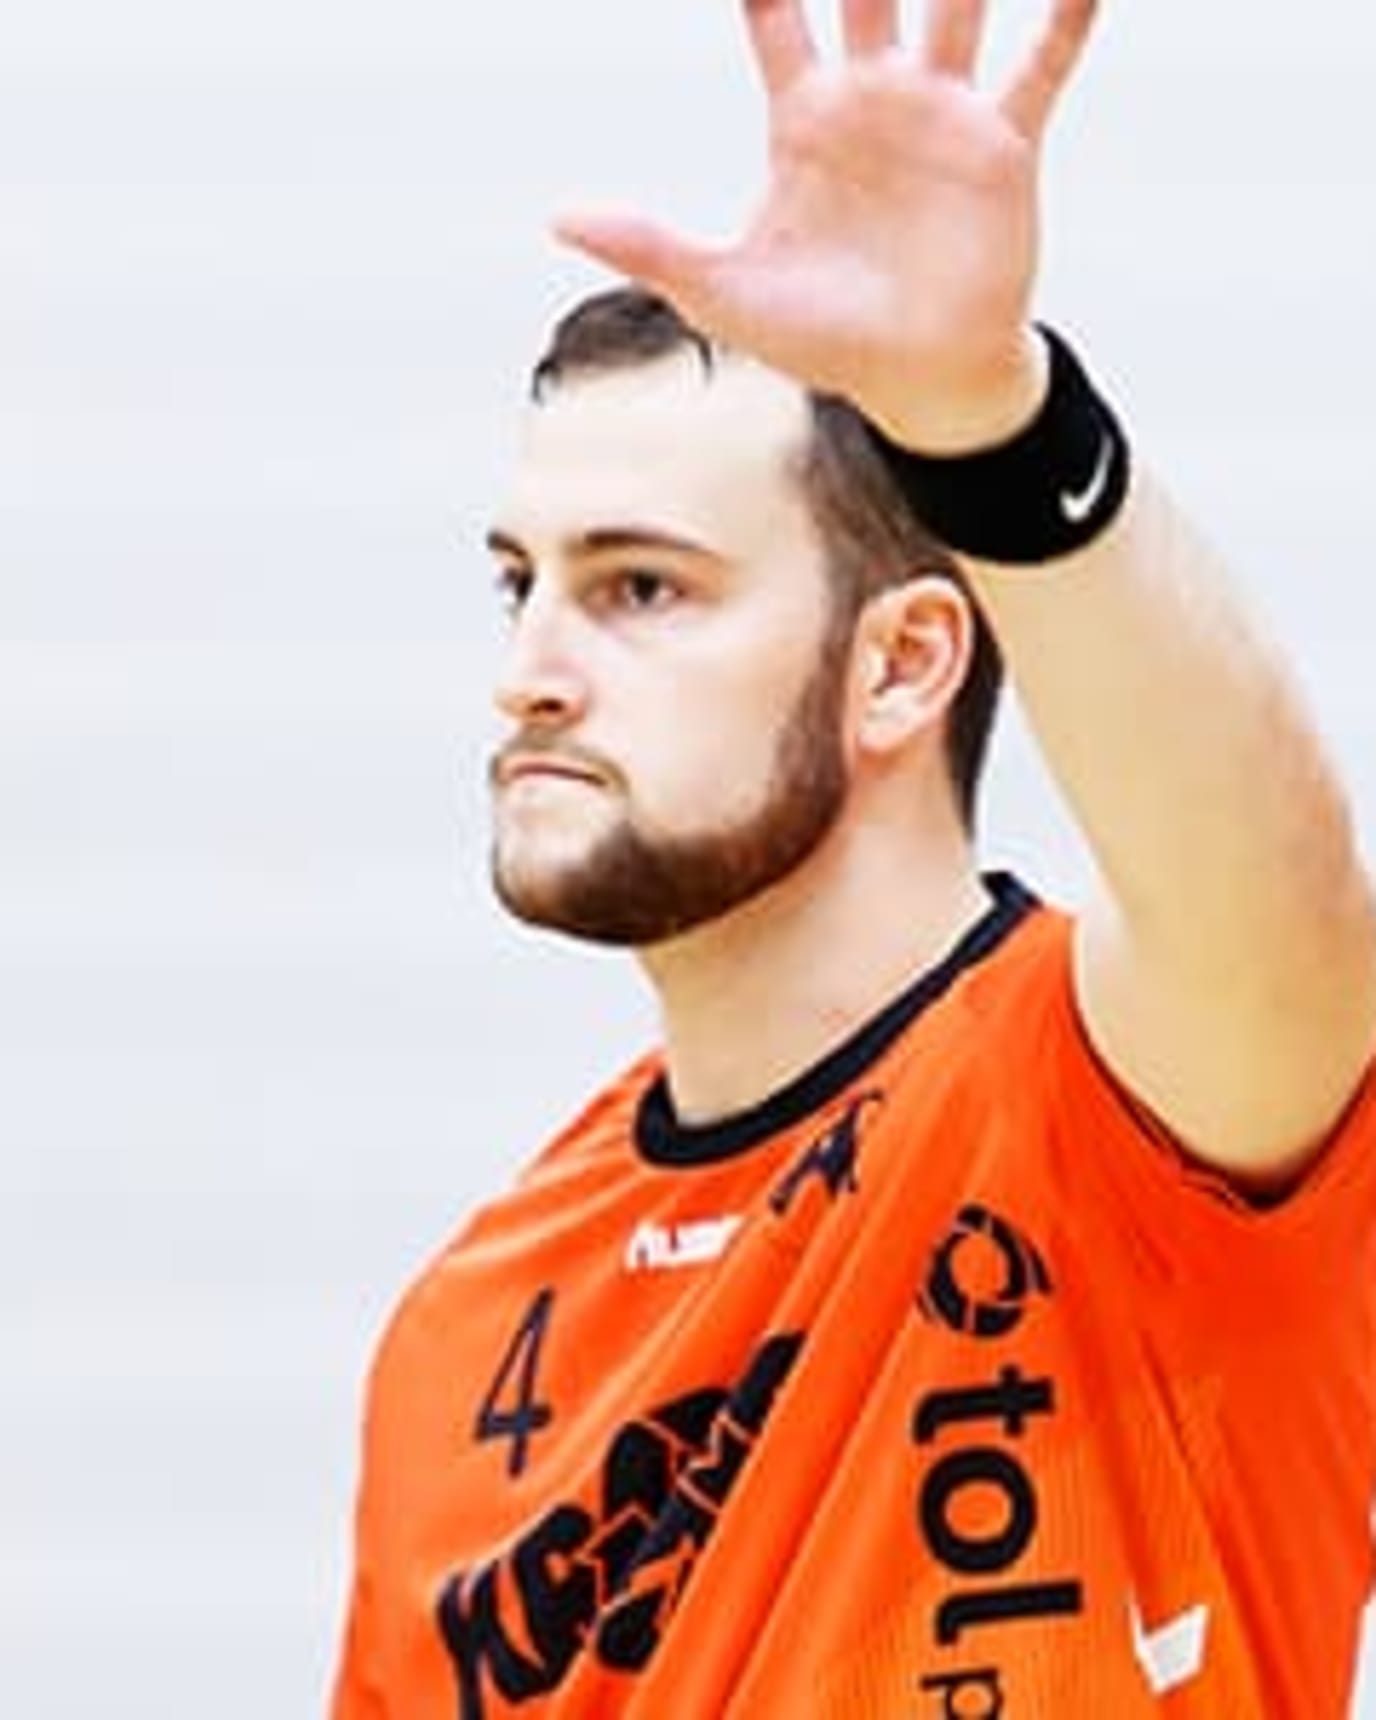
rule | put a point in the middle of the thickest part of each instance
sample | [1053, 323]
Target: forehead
[709, 455]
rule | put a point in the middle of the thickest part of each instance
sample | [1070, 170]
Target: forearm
[1228, 966]
[1180, 740]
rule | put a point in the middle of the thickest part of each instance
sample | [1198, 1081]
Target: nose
[541, 683]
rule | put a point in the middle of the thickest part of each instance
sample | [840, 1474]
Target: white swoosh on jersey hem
[1173, 1653]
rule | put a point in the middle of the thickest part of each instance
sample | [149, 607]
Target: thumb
[678, 268]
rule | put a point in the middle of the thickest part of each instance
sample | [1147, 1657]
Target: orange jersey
[939, 1385]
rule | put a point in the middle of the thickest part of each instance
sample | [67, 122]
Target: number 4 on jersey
[510, 1410]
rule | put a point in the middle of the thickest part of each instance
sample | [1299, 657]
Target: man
[968, 1312]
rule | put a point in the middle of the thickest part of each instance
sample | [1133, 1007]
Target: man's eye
[638, 588]
[513, 588]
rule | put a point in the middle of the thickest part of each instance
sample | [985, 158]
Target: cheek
[708, 759]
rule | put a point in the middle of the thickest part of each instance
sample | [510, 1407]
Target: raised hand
[894, 254]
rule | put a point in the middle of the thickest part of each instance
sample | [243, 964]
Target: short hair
[871, 537]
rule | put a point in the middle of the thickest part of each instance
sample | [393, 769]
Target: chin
[533, 887]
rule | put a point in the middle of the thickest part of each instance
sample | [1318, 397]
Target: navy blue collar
[663, 1140]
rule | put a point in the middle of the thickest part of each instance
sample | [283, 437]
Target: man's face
[674, 683]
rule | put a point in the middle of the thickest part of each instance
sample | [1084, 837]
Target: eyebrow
[603, 540]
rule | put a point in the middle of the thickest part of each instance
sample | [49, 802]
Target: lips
[508, 768]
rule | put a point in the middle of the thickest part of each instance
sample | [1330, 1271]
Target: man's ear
[913, 648]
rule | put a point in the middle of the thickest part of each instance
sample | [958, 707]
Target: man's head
[693, 554]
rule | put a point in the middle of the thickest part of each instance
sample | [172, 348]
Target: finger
[870, 26]
[784, 48]
[638, 249]
[1030, 99]
[955, 29]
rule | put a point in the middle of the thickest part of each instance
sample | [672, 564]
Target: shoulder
[490, 1256]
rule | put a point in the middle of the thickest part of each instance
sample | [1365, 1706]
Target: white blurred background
[270, 276]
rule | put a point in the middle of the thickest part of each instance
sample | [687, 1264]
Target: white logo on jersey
[662, 1247]
[1172, 1654]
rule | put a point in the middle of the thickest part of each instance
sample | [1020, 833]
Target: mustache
[525, 746]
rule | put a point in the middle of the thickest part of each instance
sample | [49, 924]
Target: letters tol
[973, 1433]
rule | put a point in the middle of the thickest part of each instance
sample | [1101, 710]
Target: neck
[754, 999]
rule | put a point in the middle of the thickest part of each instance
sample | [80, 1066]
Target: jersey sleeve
[1126, 1165]
[356, 1696]
[359, 1683]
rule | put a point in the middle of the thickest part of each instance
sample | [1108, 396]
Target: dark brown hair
[872, 537]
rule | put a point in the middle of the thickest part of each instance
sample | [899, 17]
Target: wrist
[986, 407]
[1043, 492]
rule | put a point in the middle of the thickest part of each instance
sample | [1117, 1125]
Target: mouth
[535, 767]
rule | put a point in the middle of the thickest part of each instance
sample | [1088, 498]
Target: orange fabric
[960, 1397]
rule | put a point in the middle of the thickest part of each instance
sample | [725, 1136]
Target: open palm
[894, 252]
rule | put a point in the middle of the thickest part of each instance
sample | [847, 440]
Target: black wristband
[1048, 491]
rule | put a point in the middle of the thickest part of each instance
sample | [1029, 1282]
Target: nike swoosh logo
[1078, 505]
[1173, 1653]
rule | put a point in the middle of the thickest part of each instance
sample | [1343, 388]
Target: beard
[635, 890]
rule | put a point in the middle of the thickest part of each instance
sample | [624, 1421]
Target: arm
[1226, 970]
[1225, 964]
